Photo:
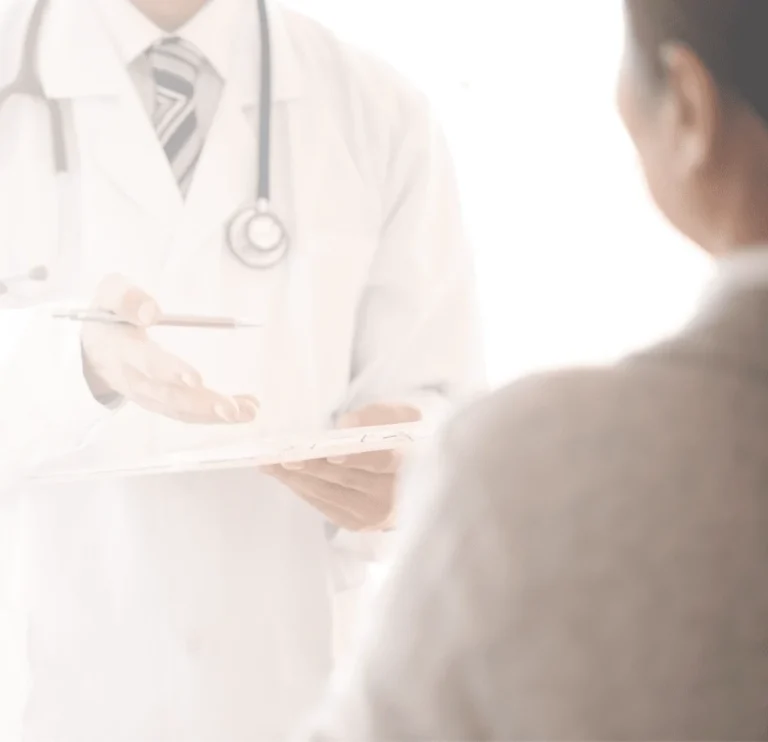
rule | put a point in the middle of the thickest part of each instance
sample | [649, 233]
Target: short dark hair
[730, 37]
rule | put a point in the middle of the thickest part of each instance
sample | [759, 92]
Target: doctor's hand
[355, 492]
[122, 361]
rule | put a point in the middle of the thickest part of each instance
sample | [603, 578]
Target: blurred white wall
[574, 263]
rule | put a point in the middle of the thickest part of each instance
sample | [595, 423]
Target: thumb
[348, 420]
[128, 302]
[380, 414]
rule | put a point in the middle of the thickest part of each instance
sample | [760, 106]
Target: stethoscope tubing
[263, 190]
[28, 82]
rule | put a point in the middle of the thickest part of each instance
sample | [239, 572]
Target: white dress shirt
[747, 266]
[212, 31]
[742, 268]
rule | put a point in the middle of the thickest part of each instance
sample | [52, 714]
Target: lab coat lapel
[126, 150]
[114, 131]
[225, 178]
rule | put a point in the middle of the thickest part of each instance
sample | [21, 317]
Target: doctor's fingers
[378, 462]
[359, 480]
[232, 410]
[118, 295]
[187, 404]
[116, 351]
[339, 516]
[380, 414]
[333, 508]
[372, 506]
[156, 363]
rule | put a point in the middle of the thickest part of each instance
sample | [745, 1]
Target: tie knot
[177, 57]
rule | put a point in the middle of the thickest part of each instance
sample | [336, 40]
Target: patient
[590, 561]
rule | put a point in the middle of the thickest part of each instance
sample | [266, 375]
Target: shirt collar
[212, 31]
[87, 51]
[740, 270]
[743, 268]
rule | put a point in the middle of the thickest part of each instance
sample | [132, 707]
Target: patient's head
[693, 93]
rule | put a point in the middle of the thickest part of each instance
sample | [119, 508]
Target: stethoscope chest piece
[257, 238]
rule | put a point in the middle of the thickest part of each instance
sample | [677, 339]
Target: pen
[166, 320]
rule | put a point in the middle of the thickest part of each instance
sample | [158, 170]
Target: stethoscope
[254, 234]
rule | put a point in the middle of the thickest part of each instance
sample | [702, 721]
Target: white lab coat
[199, 607]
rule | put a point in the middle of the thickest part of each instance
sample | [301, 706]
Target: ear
[692, 111]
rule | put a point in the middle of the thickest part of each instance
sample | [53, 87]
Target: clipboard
[251, 454]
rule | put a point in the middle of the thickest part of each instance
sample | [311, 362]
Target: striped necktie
[175, 65]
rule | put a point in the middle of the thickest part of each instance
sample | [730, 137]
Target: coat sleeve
[417, 335]
[417, 339]
[47, 407]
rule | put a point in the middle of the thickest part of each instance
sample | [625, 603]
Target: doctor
[199, 607]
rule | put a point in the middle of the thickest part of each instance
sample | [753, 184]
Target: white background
[574, 263]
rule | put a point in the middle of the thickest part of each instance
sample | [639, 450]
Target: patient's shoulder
[556, 433]
[522, 455]
[555, 404]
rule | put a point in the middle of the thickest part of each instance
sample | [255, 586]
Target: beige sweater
[589, 560]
